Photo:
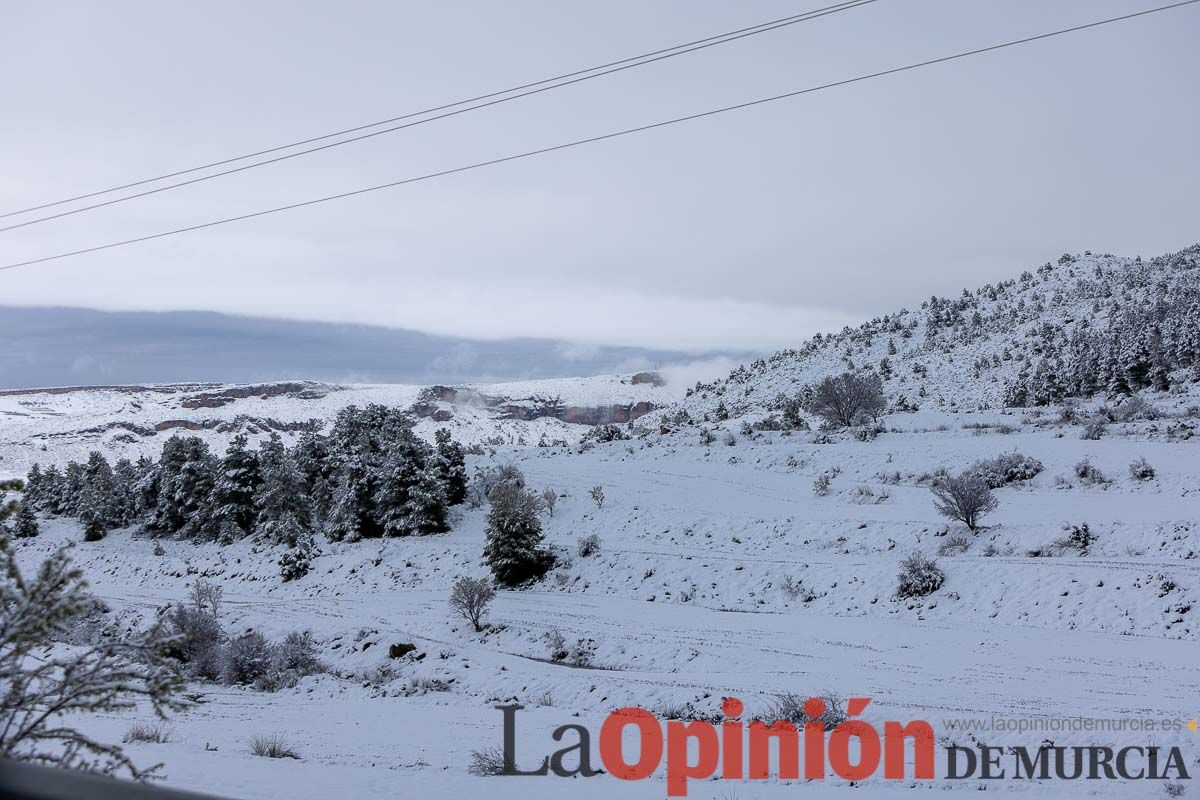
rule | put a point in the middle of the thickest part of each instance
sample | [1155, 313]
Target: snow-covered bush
[966, 498]
[1006, 468]
[1140, 470]
[605, 433]
[821, 485]
[588, 545]
[470, 598]
[1080, 539]
[1094, 428]
[247, 658]
[597, 495]
[919, 576]
[196, 634]
[297, 561]
[1089, 473]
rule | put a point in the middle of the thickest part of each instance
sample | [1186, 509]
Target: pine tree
[25, 525]
[282, 509]
[237, 482]
[453, 467]
[72, 488]
[185, 478]
[34, 486]
[350, 514]
[513, 549]
[96, 499]
[125, 478]
[50, 495]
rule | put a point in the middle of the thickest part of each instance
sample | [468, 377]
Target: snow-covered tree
[281, 506]
[25, 524]
[42, 691]
[513, 549]
[237, 483]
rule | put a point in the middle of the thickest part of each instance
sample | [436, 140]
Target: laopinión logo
[699, 749]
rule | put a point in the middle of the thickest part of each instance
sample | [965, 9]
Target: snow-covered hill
[57, 425]
[1057, 324]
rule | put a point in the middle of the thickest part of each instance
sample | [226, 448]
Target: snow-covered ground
[684, 604]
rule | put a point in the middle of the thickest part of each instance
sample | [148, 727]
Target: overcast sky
[750, 230]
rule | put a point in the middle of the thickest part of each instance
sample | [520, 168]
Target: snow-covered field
[684, 604]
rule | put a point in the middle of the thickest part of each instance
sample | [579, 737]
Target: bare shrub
[919, 576]
[848, 399]
[865, 495]
[965, 498]
[588, 545]
[146, 732]
[1141, 470]
[789, 707]
[272, 746]
[470, 598]
[549, 500]
[597, 495]
[954, 545]
[796, 590]
[489, 761]
[206, 596]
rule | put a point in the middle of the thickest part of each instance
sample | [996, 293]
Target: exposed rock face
[238, 424]
[528, 409]
[652, 378]
[171, 388]
[302, 390]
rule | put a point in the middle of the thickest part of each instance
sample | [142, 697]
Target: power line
[545, 85]
[606, 136]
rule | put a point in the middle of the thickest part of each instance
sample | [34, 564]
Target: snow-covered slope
[964, 352]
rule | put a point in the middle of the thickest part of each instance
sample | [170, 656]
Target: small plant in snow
[597, 495]
[273, 746]
[919, 576]
[557, 644]
[489, 761]
[1089, 473]
[589, 545]
[796, 590]
[1080, 539]
[954, 545]
[789, 707]
[729, 439]
[1006, 468]
[821, 485]
[470, 598]
[549, 500]
[1141, 470]
[146, 732]
[583, 652]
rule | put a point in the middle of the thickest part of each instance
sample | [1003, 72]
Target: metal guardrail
[20, 781]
